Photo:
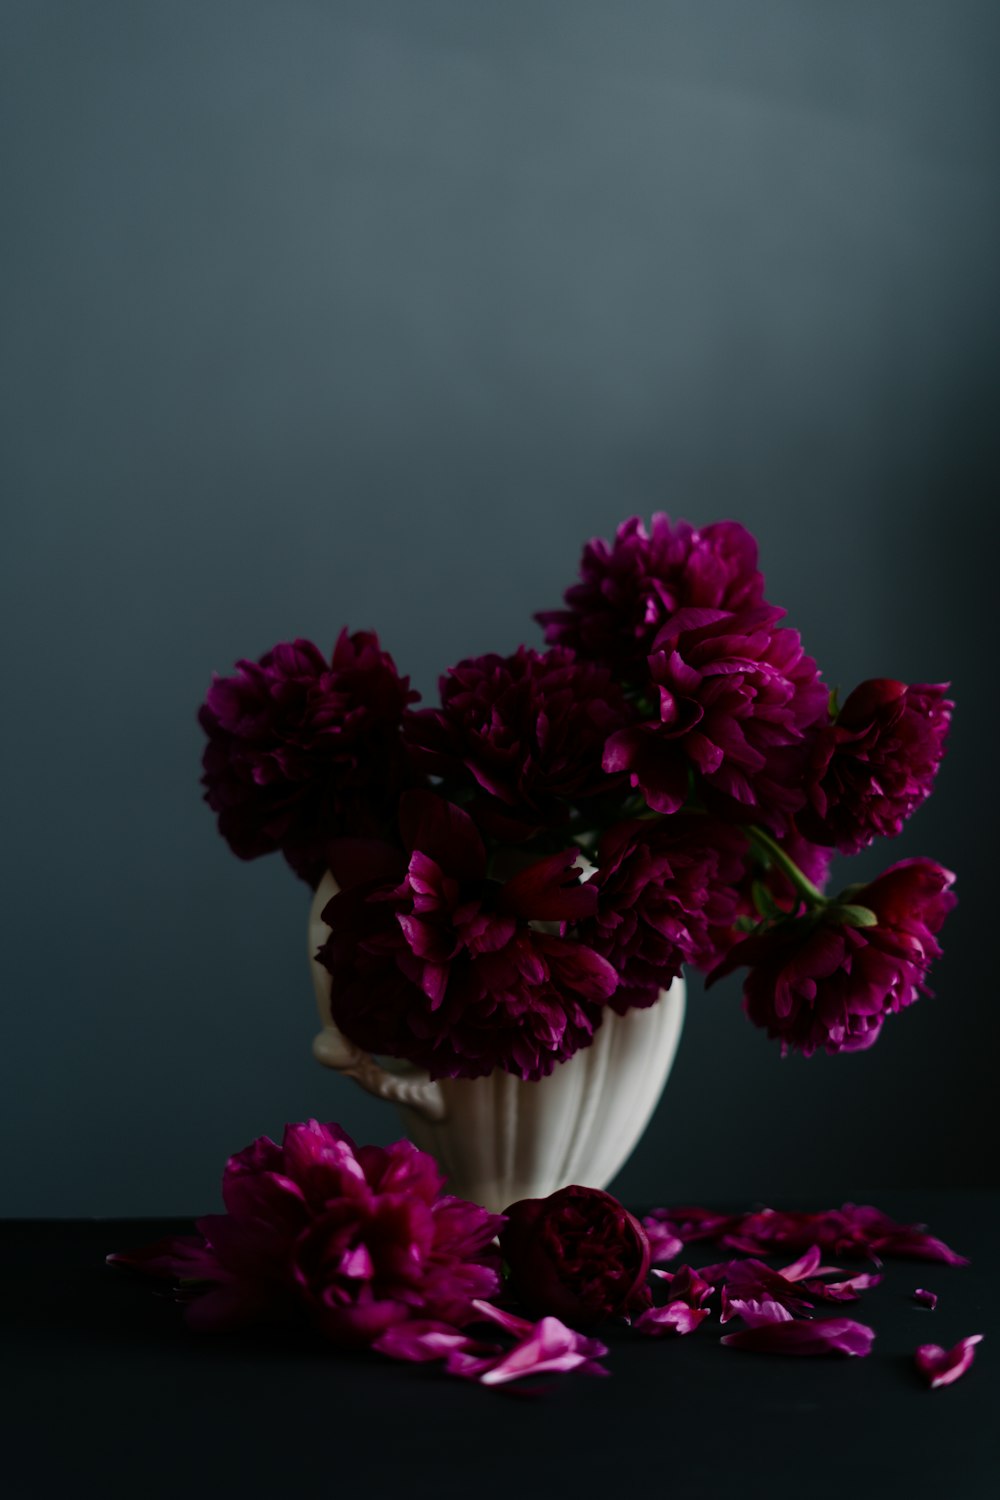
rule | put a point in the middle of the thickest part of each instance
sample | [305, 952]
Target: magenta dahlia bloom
[629, 590]
[301, 750]
[876, 763]
[434, 961]
[816, 982]
[737, 699]
[665, 890]
[528, 731]
[349, 1240]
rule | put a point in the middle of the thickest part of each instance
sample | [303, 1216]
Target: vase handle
[414, 1087]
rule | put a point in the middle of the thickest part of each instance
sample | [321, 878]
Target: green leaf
[852, 916]
[764, 901]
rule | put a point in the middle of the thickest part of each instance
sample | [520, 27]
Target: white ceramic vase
[500, 1138]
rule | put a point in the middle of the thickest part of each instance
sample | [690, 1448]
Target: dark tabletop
[108, 1393]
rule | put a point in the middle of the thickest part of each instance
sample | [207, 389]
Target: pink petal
[800, 1336]
[929, 1299]
[421, 1340]
[177, 1258]
[357, 1263]
[675, 1317]
[519, 1327]
[806, 1265]
[542, 1347]
[943, 1366]
[758, 1312]
[550, 1347]
[842, 1291]
[663, 1243]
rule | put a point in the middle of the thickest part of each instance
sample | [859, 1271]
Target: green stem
[769, 846]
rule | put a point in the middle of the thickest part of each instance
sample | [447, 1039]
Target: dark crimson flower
[578, 1255]
[815, 982]
[527, 730]
[876, 762]
[433, 961]
[665, 889]
[944, 1366]
[737, 698]
[630, 590]
[351, 1241]
[301, 750]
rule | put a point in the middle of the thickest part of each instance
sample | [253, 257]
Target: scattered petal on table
[943, 1366]
[801, 1336]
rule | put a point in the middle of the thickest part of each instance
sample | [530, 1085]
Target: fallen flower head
[577, 1254]
[348, 1240]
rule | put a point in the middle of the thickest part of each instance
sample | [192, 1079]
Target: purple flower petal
[443, 831]
[551, 1346]
[675, 1317]
[663, 1244]
[926, 1298]
[421, 1340]
[756, 1312]
[842, 1291]
[944, 1366]
[802, 1336]
[807, 1264]
[180, 1257]
[851, 1230]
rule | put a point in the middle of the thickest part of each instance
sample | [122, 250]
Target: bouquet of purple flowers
[663, 785]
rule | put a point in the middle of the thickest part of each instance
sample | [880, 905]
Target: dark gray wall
[372, 313]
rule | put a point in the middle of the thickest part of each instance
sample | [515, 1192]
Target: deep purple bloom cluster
[876, 763]
[675, 737]
[527, 731]
[629, 590]
[817, 981]
[737, 699]
[434, 961]
[301, 750]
